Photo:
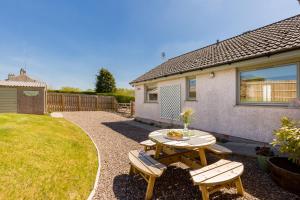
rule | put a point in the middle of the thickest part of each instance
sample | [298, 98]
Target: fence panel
[79, 102]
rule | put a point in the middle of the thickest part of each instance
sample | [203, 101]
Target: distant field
[44, 158]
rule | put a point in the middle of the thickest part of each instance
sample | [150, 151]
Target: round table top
[194, 139]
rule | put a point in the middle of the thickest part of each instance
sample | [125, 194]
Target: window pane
[153, 97]
[192, 88]
[271, 85]
[151, 93]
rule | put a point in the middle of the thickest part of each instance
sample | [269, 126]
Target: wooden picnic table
[194, 140]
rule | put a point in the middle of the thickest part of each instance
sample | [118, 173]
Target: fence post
[63, 102]
[131, 108]
[97, 103]
[100, 100]
[112, 105]
[116, 104]
[79, 103]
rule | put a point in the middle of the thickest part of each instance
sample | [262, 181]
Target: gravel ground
[115, 138]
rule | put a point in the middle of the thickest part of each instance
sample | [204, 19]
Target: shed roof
[22, 84]
[265, 41]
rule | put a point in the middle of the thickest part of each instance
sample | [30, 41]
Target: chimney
[22, 71]
[10, 76]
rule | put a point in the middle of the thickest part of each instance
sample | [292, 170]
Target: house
[22, 94]
[239, 87]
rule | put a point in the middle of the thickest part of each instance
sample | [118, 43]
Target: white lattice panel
[170, 102]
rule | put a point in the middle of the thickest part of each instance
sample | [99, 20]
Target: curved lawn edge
[92, 194]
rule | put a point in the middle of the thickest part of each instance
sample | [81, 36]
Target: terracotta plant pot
[285, 173]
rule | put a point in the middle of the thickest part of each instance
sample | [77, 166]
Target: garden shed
[21, 94]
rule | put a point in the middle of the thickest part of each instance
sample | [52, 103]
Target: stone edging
[99, 162]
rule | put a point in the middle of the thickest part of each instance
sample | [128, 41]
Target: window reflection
[191, 83]
[275, 85]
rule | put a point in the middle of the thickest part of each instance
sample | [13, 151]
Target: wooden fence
[58, 102]
[79, 102]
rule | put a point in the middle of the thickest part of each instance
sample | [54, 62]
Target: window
[151, 94]
[269, 85]
[191, 88]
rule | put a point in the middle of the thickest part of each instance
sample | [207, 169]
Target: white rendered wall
[216, 108]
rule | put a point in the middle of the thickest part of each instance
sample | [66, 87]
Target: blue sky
[65, 42]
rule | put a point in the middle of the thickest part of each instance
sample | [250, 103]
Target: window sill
[285, 106]
[191, 100]
[153, 102]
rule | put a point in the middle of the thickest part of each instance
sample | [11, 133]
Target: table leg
[202, 156]
[157, 150]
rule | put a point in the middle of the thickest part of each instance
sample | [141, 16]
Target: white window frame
[188, 98]
[238, 85]
[154, 91]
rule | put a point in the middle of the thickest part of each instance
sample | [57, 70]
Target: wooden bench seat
[147, 167]
[215, 176]
[148, 145]
[219, 150]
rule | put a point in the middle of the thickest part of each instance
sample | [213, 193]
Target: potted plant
[286, 170]
[263, 154]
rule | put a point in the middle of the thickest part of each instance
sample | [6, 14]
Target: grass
[44, 158]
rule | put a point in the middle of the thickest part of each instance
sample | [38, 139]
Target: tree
[105, 82]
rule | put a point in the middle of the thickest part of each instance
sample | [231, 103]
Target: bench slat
[206, 176]
[148, 143]
[146, 164]
[209, 167]
[225, 177]
[217, 173]
[218, 149]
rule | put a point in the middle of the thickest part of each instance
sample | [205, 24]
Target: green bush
[125, 91]
[120, 98]
[287, 137]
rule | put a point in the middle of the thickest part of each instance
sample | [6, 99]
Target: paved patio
[115, 136]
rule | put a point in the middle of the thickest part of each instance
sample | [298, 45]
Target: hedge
[120, 98]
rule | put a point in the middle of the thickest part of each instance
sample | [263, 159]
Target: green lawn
[44, 158]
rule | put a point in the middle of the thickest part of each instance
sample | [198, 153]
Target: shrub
[287, 137]
[125, 91]
[120, 98]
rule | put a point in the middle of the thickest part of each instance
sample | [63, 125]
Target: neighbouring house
[22, 94]
[240, 86]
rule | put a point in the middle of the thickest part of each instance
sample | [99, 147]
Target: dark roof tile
[277, 37]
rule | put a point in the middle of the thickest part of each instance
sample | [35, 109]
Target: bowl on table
[175, 135]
